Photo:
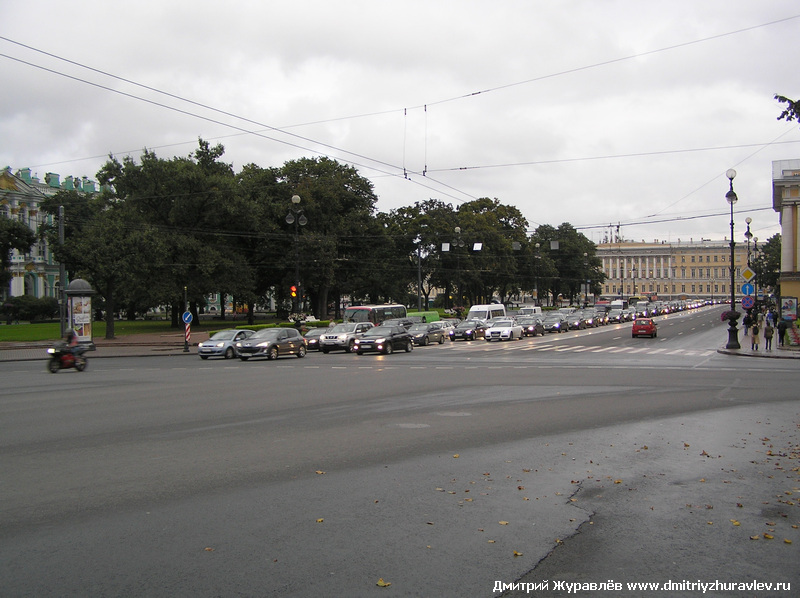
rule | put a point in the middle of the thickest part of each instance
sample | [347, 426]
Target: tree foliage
[162, 229]
[13, 235]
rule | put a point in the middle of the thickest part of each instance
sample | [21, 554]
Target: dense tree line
[161, 229]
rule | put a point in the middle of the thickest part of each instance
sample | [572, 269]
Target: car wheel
[409, 347]
[359, 352]
[301, 352]
[655, 334]
[205, 356]
[351, 345]
[325, 350]
[425, 341]
[272, 353]
[244, 357]
[633, 336]
[388, 350]
[229, 354]
[441, 340]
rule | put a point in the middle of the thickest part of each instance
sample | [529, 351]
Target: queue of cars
[404, 334]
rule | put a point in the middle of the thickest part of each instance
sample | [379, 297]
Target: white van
[529, 311]
[486, 312]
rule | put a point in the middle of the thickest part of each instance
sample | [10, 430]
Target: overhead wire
[423, 106]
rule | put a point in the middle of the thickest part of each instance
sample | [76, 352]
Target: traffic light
[293, 290]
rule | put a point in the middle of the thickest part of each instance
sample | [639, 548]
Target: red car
[644, 327]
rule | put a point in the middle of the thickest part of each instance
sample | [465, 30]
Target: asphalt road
[443, 471]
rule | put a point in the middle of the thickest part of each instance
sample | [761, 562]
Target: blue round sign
[748, 289]
[187, 317]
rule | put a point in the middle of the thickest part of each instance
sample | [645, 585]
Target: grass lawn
[46, 331]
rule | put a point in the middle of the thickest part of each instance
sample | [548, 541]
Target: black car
[576, 321]
[469, 330]
[555, 322]
[425, 334]
[405, 323]
[312, 338]
[531, 326]
[272, 343]
[384, 339]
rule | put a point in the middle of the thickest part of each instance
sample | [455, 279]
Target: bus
[374, 313]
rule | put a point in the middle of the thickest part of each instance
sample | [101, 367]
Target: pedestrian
[746, 322]
[754, 337]
[782, 326]
[768, 332]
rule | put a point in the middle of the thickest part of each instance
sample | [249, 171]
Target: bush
[31, 308]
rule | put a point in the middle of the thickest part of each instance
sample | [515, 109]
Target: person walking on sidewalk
[754, 336]
[768, 332]
[782, 326]
[747, 320]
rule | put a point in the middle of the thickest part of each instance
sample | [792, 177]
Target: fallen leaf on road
[383, 584]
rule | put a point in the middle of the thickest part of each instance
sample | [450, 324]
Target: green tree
[337, 240]
[194, 206]
[767, 263]
[792, 110]
[13, 235]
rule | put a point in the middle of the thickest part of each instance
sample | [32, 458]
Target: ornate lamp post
[733, 315]
[748, 235]
[296, 217]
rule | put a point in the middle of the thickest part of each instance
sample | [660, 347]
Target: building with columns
[34, 273]
[671, 270]
[786, 201]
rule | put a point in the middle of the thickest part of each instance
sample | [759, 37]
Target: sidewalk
[134, 345]
[791, 350]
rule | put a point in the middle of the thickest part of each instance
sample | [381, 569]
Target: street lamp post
[296, 217]
[458, 242]
[733, 315]
[748, 235]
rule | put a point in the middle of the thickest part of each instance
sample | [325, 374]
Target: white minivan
[486, 312]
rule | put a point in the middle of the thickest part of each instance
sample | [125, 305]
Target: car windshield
[502, 324]
[265, 333]
[418, 328]
[378, 331]
[553, 318]
[340, 328]
[466, 325]
[224, 335]
[644, 322]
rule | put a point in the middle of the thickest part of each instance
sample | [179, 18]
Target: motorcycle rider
[71, 340]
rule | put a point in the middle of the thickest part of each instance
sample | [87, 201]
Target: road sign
[748, 274]
[748, 302]
[187, 317]
[748, 289]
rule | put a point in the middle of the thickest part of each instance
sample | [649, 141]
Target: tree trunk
[110, 309]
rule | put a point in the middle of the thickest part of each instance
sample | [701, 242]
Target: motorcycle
[62, 357]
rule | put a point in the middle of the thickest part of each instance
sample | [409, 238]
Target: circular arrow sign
[187, 317]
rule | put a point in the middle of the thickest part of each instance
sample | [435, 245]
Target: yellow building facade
[786, 201]
[671, 271]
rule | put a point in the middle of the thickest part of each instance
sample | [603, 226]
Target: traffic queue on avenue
[385, 336]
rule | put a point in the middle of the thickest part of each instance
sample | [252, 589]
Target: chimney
[51, 180]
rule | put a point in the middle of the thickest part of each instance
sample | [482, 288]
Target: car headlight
[239, 345]
[264, 344]
[380, 341]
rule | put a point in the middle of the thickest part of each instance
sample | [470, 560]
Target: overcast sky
[595, 113]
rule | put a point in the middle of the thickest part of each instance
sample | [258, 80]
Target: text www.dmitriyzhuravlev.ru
[643, 586]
